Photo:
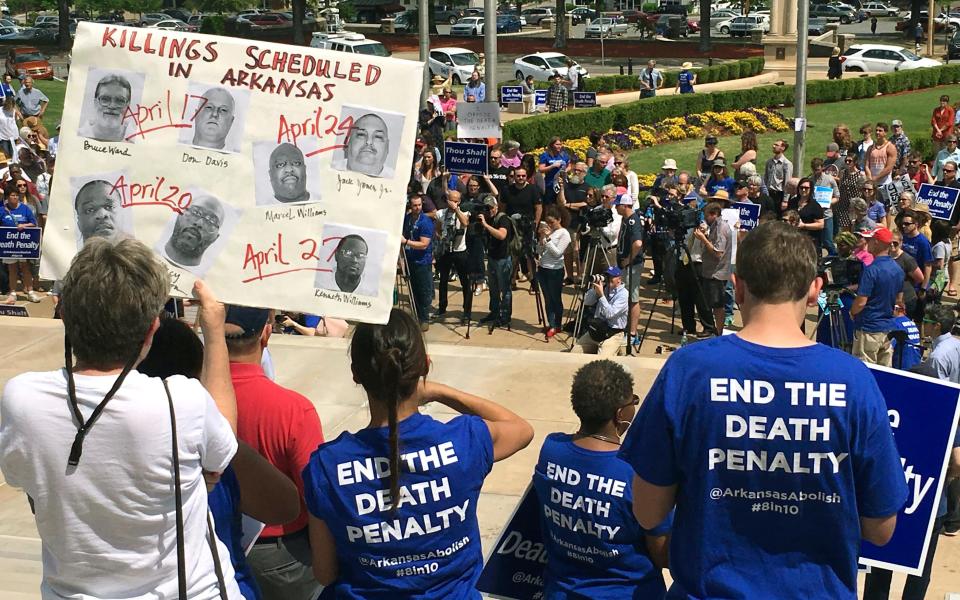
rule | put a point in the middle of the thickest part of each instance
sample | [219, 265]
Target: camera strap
[84, 426]
[181, 552]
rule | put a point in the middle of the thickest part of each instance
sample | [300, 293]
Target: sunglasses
[895, 244]
[949, 170]
[848, 161]
[804, 187]
[908, 223]
[635, 401]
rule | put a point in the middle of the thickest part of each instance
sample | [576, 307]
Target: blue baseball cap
[613, 272]
[250, 320]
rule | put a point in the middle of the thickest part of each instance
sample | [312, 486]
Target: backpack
[514, 241]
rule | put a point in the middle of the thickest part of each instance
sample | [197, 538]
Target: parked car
[44, 19]
[582, 14]
[269, 19]
[457, 63]
[508, 24]
[605, 27]
[876, 9]
[354, 43]
[542, 65]
[170, 25]
[953, 49]
[672, 9]
[473, 12]
[535, 15]
[27, 60]
[468, 26]
[447, 14]
[743, 26]
[833, 13]
[723, 14]
[693, 26]
[151, 18]
[882, 58]
[672, 26]
[816, 26]
[177, 13]
[938, 23]
[509, 11]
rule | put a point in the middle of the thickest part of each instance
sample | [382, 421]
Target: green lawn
[54, 90]
[913, 108]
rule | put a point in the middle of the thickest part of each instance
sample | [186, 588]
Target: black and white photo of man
[97, 207]
[194, 231]
[217, 116]
[354, 263]
[369, 146]
[106, 115]
[286, 174]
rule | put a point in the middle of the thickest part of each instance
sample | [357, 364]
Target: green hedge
[533, 132]
[606, 84]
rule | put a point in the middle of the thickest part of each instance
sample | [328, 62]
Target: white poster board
[478, 120]
[277, 173]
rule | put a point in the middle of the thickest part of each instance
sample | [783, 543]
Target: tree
[63, 28]
[142, 6]
[218, 7]
[561, 38]
[915, 7]
[299, 10]
[705, 26]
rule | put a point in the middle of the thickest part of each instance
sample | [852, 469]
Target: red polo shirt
[281, 425]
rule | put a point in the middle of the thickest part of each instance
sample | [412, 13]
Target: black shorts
[714, 292]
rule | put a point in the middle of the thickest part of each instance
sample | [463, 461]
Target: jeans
[728, 305]
[827, 236]
[499, 271]
[283, 568]
[421, 284]
[551, 283]
[951, 522]
[877, 584]
[458, 262]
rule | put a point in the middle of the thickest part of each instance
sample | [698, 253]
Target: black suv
[953, 50]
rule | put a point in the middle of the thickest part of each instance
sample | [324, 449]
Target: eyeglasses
[634, 401]
[21, 185]
[355, 254]
[494, 157]
[907, 223]
[113, 100]
[207, 220]
[804, 187]
[895, 244]
[949, 170]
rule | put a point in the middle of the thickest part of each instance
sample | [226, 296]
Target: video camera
[677, 218]
[476, 208]
[838, 272]
[597, 217]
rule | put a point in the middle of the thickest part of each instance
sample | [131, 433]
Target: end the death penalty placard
[276, 173]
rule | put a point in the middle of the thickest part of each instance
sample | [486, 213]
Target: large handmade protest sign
[276, 173]
[923, 416]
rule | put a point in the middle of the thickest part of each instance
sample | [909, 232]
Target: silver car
[468, 26]
[606, 27]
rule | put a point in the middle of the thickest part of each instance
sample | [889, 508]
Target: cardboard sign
[823, 194]
[540, 98]
[749, 215]
[940, 200]
[13, 311]
[923, 415]
[511, 94]
[514, 568]
[245, 163]
[478, 120]
[20, 243]
[466, 158]
[584, 99]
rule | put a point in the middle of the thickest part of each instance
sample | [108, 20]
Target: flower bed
[733, 122]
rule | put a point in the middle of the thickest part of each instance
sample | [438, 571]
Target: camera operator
[840, 281]
[690, 295]
[608, 305]
[630, 244]
[879, 290]
[451, 253]
[497, 231]
[523, 198]
[717, 238]
[658, 232]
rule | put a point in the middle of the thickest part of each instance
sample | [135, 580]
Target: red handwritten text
[313, 255]
[158, 193]
[317, 125]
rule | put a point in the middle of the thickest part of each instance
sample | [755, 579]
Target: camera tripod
[833, 311]
[403, 279]
[587, 267]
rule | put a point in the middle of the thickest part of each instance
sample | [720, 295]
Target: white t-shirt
[108, 526]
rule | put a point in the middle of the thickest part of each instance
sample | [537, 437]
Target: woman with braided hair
[394, 506]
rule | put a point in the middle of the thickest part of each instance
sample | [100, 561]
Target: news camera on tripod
[841, 276]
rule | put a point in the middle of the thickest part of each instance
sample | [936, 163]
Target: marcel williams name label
[293, 213]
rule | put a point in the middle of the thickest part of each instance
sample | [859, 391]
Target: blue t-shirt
[224, 503]
[413, 231]
[22, 214]
[545, 159]
[911, 351]
[876, 212]
[776, 454]
[595, 547]
[725, 183]
[880, 283]
[685, 79]
[919, 248]
[430, 546]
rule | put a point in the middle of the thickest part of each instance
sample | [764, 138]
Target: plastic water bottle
[683, 339]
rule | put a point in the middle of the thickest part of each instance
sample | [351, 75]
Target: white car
[724, 14]
[542, 65]
[170, 24]
[876, 9]
[724, 25]
[882, 58]
[605, 27]
[457, 63]
[468, 26]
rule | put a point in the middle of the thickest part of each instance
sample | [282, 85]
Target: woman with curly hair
[842, 138]
[748, 150]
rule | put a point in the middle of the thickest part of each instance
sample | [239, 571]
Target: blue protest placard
[749, 215]
[466, 158]
[941, 201]
[540, 98]
[13, 311]
[511, 94]
[514, 569]
[923, 415]
[20, 243]
[584, 99]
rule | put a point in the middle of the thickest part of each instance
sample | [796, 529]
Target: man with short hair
[822, 179]
[496, 172]
[777, 172]
[597, 175]
[102, 489]
[901, 142]
[417, 242]
[948, 176]
[716, 236]
[497, 228]
[97, 206]
[283, 427]
[609, 306]
[349, 273]
[833, 156]
[451, 254]
[194, 230]
[111, 102]
[212, 123]
[367, 147]
[916, 244]
[879, 291]
[944, 360]
[288, 174]
[523, 197]
[651, 80]
[556, 95]
[880, 161]
[630, 245]
[31, 102]
[707, 440]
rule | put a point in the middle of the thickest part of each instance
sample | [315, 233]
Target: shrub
[924, 146]
[213, 24]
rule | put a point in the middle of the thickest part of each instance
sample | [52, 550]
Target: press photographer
[606, 301]
[497, 230]
[451, 253]
[630, 244]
